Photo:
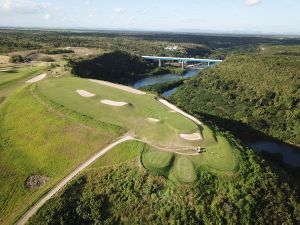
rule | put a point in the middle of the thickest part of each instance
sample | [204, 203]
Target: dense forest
[261, 90]
[126, 194]
[33, 40]
[141, 43]
[117, 66]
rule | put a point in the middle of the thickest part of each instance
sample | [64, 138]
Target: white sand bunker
[191, 137]
[153, 120]
[37, 78]
[113, 103]
[85, 94]
[119, 86]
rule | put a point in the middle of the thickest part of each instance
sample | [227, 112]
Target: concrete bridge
[182, 60]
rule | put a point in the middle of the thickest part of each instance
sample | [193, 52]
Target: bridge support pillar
[182, 64]
[159, 63]
[208, 64]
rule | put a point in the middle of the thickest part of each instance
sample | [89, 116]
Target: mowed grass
[220, 156]
[36, 139]
[123, 152]
[133, 116]
[157, 162]
[16, 77]
[183, 170]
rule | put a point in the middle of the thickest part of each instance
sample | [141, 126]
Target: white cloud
[131, 19]
[91, 15]
[23, 6]
[120, 10]
[47, 16]
[252, 2]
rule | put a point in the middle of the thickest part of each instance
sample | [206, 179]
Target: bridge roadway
[182, 60]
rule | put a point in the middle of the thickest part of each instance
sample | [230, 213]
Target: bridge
[182, 60]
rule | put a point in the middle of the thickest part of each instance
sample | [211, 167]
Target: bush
[16, 59]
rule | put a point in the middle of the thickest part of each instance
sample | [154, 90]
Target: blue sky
[279, 16]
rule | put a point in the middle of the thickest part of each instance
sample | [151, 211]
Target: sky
[231, 16]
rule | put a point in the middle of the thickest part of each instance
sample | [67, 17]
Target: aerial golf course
[50, 127]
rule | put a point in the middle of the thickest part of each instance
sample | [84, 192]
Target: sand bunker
[191, 137]
[153, 120]
[37, 78]
[6, 69]
[85, 94]
[113, 103]
[119, 86]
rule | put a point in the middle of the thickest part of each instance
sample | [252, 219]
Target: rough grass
[36, 139]
[11, 80]
[133, 116]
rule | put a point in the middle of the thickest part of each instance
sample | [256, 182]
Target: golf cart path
[24, 219]
[174, 108]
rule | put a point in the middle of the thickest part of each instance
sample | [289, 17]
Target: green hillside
[261, 90]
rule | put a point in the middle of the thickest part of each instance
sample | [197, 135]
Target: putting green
[183, 170]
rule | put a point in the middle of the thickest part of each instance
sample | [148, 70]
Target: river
[157, 79]
[290, 154]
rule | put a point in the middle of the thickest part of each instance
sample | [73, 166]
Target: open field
[37, 139]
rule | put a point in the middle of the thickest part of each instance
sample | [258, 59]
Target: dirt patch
[153, 120]
[4, 59]
[36, 181]
[191, 137]
[85, 94]
[113, 103]
[119, 86]
[37, 78]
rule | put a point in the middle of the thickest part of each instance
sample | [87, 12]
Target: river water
[157, 79]
[290, 154]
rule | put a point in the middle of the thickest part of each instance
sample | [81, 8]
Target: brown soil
[36, 181]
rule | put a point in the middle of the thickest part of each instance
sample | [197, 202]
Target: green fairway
[16, 77]
[133, 117]
[36, 139]
[48, 129]
[122, 153]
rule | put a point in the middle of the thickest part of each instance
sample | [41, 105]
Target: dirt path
[23, 220]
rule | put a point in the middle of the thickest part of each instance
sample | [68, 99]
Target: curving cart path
[23, 220]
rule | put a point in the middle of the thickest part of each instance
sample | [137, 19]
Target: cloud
[119, 10]
[252, 2]
[23, 6]
[131, 19]
[91, 15]
[47, 16]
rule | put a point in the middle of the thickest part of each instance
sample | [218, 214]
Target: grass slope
[36, 139]
[11, 80]
[133, 117]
